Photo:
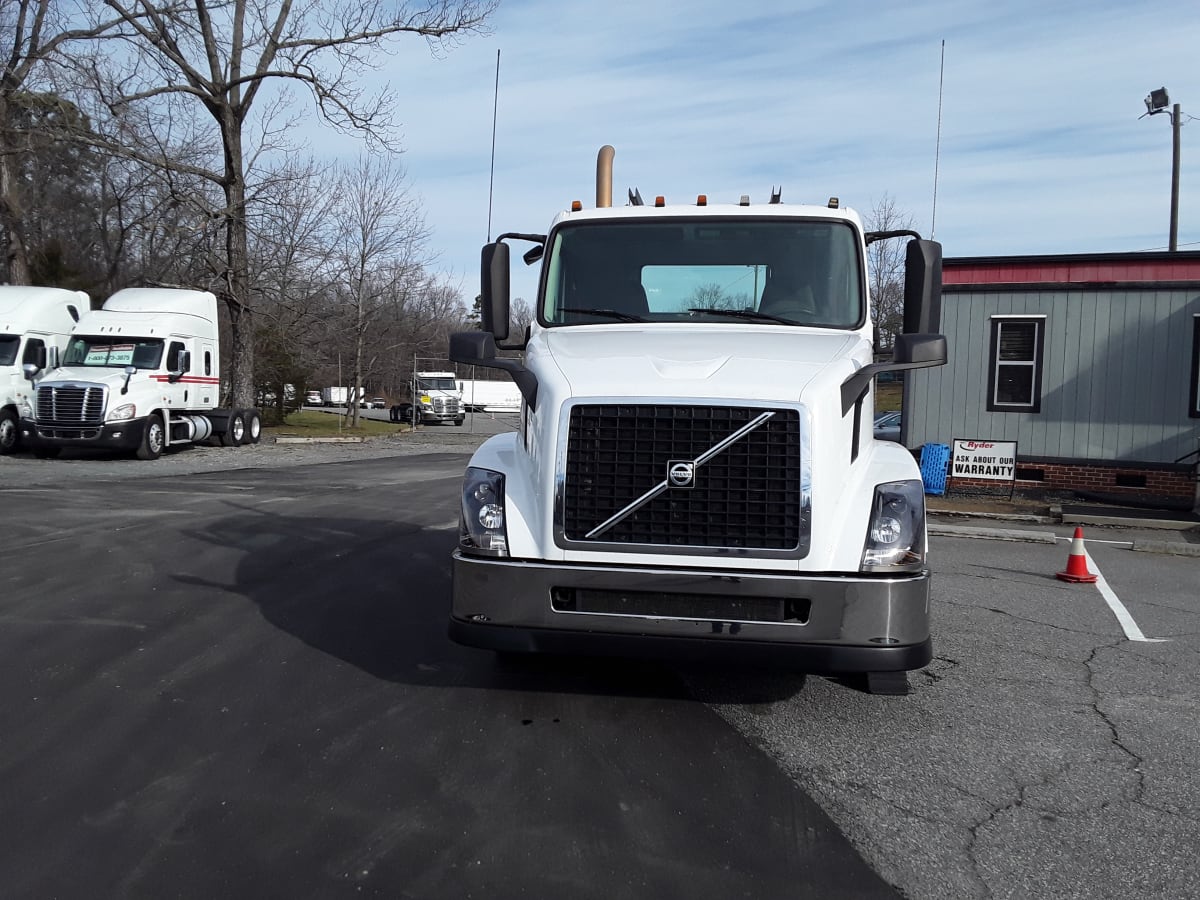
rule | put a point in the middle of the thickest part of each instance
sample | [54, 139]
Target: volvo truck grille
[701, 476]
[70, 404]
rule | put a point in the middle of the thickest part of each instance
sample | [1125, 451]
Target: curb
[320, 440]
[1175, 548]
[995, 534]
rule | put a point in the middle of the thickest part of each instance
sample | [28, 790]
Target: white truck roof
[164, 300]
[154, 312]
[44, 309]
[716, 210]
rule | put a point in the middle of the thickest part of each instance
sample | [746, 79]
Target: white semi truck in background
[694, 473]
[140, 374]
[430, 398]
[35, 323]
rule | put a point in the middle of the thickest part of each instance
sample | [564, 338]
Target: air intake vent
[71, 404]
[745, 496]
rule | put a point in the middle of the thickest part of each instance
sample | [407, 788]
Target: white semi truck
[35, 323]
[430, 398]
[140, 374]
[695, 473]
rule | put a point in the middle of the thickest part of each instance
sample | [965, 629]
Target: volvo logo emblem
[681, 473]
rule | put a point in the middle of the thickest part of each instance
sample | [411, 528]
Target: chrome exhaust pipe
[604, 163]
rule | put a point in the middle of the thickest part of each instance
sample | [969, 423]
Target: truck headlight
[25, 410]
[482, 531]
[121, 413]
[896, 530]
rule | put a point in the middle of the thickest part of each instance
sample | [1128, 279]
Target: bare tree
[31, 31]
[713, 296]
[190, 55]
[381, 243]
[885, 265]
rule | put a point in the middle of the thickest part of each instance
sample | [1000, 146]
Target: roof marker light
[702, 199]
[576, 205]
[745, 200]
[833, 203]
[660, 200]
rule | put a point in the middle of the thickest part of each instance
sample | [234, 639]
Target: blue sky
[1041, 147]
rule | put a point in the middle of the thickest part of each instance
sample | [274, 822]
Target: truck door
[179, 391]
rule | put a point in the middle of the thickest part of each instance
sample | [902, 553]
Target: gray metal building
[1091, 363]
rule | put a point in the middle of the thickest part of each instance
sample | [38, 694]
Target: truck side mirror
[30, 370]
[478, 348]
[922, 287]
[919, 351]
[183, 364]
[493, 309]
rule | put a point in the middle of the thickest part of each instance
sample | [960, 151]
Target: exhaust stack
[604, 163]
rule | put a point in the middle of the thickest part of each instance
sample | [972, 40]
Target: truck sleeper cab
[695, 473]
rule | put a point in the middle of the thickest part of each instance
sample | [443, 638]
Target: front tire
[153, 438]
[235, 430]
[10, 435]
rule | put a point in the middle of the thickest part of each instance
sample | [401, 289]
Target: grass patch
[307, 423]
[888, 396]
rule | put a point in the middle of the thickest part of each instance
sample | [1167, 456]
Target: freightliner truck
[35, 323]
[694, 474]
[139, 375]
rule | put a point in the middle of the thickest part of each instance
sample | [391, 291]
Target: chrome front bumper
[817, 623]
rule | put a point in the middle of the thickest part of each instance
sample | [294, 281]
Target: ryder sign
[991, 460]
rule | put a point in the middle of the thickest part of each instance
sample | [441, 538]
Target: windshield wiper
[604, 313]
[751, 314]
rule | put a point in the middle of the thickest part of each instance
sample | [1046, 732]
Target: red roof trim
[1081, 269]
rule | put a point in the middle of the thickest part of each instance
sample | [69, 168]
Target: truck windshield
[776, 272]
[8, 349]
[436, 384]
[117, 353]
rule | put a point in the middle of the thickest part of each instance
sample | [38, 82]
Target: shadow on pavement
[376, 595]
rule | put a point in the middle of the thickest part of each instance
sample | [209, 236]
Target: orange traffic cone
[1077, 570]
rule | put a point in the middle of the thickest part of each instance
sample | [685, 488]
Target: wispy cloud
[1041, 150]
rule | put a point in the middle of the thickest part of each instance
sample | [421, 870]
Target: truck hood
[774, 364]
[90, 375]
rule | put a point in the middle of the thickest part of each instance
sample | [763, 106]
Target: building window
[1015, 372]
[1194, 402]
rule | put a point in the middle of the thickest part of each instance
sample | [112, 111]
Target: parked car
[312, 398]
[887, 426]
[378, 403]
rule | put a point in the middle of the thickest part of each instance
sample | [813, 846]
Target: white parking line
[1130, 627]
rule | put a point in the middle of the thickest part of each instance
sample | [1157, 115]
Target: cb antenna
[937, 151]
[492, 176]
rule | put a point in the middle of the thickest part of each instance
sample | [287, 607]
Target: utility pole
[1173, 243]
[1156, 103]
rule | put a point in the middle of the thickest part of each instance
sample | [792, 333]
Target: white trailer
[490, 396]
[695, 473]
[335, 396]
[35, 323]
[140, 374]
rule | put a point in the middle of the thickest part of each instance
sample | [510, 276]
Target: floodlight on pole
[1157, 102]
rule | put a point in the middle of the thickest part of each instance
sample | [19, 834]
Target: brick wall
[1125, 480]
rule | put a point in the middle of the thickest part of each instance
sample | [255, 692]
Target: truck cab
[695, 473]
[431, 398]
[35, 323]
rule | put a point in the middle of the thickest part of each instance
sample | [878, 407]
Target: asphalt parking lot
[235, 682]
